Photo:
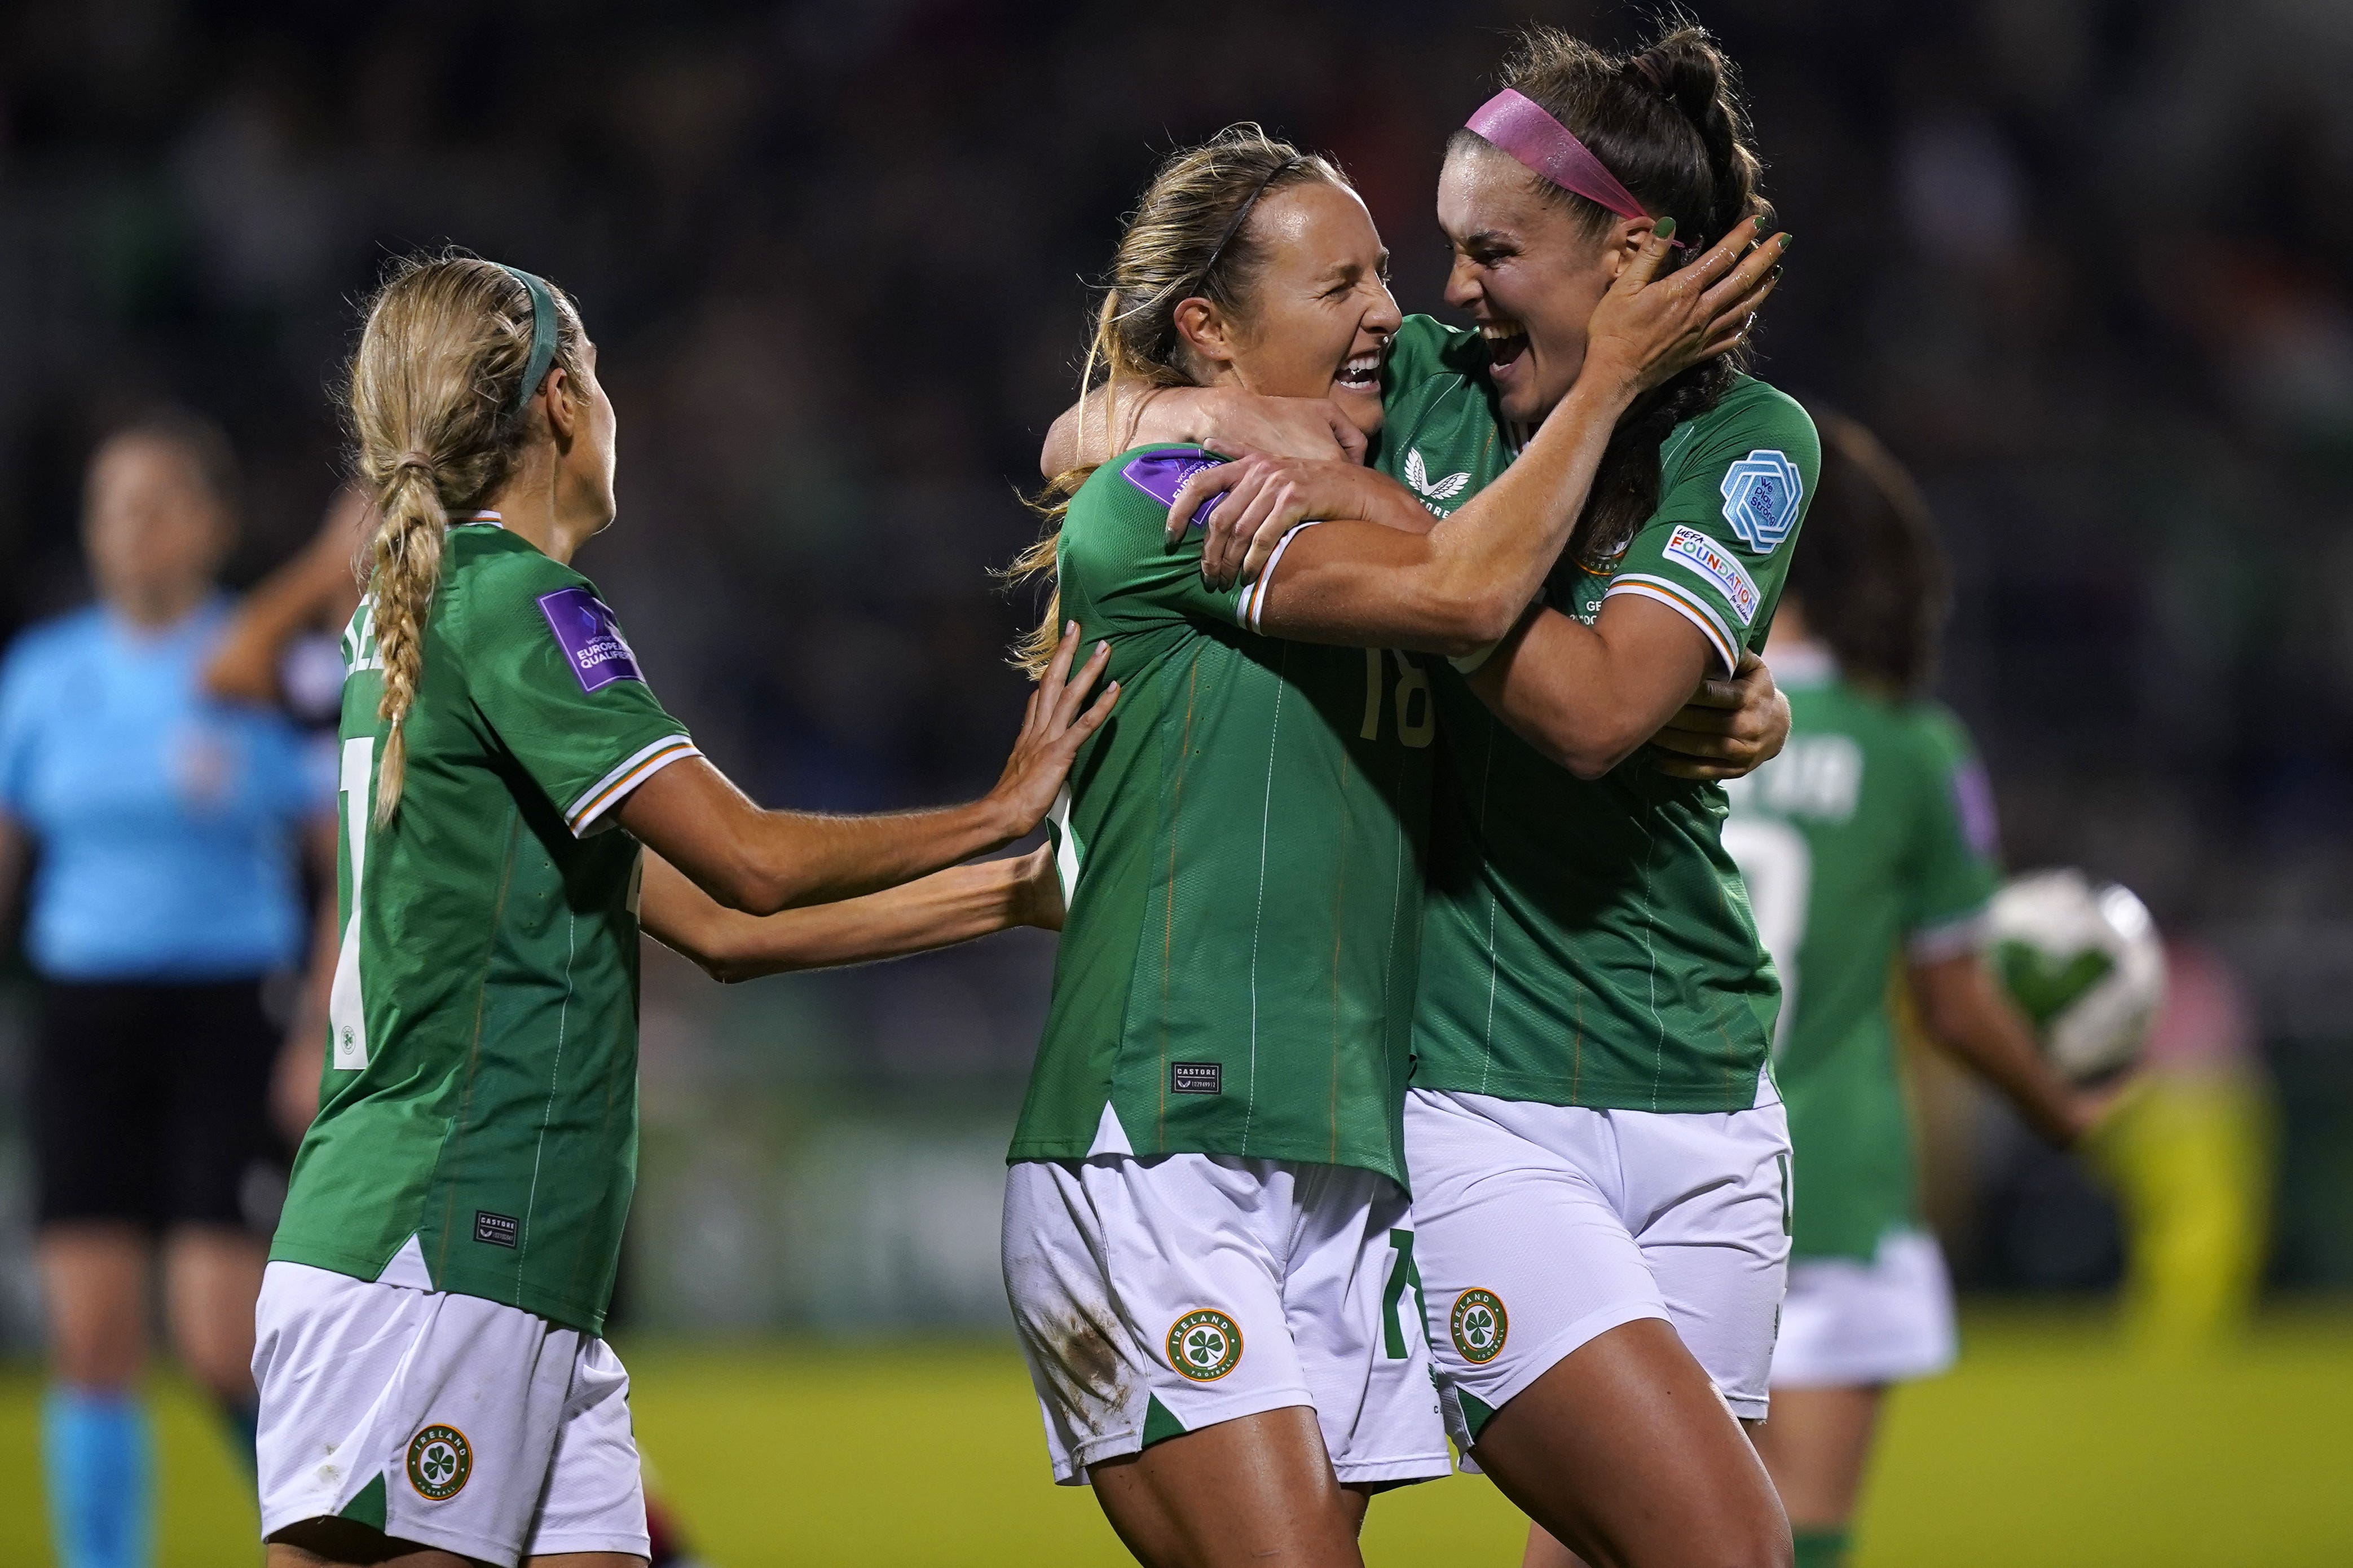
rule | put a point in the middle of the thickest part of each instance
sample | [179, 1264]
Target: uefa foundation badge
[1479, 1325]
[1204, 1344]
[440, 1460]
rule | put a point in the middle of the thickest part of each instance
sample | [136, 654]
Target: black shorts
[151, 1104]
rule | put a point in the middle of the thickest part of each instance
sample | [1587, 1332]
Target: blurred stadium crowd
[2083, 263]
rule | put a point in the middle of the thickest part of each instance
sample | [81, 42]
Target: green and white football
[2083, 960]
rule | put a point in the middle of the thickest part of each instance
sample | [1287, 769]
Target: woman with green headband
[433, 1385]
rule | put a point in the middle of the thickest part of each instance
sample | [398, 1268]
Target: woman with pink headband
[1601, 1161]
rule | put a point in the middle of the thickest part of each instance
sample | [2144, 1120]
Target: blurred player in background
[432, 1314]
[163, 829]
[2189, 1155]
[1206, 1238]
[1868, 848]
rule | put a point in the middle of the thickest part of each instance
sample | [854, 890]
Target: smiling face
[1526, 271]
[1319, 314]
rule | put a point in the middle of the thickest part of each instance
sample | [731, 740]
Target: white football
[2083, 960]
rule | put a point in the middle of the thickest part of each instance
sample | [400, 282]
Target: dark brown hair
[1667, 121]
[1872, 577]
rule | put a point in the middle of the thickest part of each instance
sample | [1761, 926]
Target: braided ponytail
[440, 418]
[1669, 123]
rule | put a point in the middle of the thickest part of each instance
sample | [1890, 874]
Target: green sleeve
[1120, 577]
[1733, 487]
[551, 673]
[1953, 864]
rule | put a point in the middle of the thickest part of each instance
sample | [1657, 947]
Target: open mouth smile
[1507, 340]
[1361, 373]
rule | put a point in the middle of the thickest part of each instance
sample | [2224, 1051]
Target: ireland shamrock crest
[440, 1460]
[1204, 1344]
[1479, 1324]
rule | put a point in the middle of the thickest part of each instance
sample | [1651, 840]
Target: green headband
[543, 337]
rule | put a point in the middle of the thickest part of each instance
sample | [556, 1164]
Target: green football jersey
[1869, 837]
[1590, 943]
[480, 1088]
[1242, 852]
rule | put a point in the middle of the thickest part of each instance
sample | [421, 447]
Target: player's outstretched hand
[1649, 329]
[1729, 728]
[1259, 499]
[1052, 732]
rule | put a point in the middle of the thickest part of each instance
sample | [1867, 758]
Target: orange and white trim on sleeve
[641, 765]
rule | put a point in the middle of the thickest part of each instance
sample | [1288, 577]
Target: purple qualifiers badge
[1161, 474]
[585, 629]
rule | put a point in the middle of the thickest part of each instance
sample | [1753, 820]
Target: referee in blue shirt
[162, 830]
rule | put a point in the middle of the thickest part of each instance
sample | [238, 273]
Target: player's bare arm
[1588, 697]
[1225, 419]
[1459, 587]
[760, 862]
[1971, 1019]
[941, 909]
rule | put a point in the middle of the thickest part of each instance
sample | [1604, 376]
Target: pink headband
[1512, 122]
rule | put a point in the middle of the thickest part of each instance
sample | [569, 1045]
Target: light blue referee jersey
[162, 821]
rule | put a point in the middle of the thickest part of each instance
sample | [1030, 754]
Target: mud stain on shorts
[1080, 1359]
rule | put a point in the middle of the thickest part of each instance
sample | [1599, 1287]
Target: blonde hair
[1188, 239]
[435, 385]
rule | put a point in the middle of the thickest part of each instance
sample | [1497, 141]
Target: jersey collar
[478, 519]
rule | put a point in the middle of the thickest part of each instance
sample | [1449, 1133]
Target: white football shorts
[448, 1420]
[1158, 1295]
[1848, 1324]
[1541, 1228]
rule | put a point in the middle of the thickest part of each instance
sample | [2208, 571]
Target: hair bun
[1686, 67]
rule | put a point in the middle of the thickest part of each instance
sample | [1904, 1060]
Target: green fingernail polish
[1787, 240]
[1664, 228]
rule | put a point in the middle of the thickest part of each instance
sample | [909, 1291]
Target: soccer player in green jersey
[1867, 848]
[1206, 1241]
[516, 807]
[1599, 1158]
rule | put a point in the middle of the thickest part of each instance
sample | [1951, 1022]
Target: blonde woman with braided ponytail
[516, 807]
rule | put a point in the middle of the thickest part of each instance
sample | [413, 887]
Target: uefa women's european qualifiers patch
[1162, 474]
[1703, 557]
[1761, 493]
[590, 637]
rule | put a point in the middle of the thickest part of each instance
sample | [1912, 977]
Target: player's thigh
[1708, 1195]
[212, 1276]
[1522, 1255]
[1817, 1449]
[1624, 1452]
[1252, 1490]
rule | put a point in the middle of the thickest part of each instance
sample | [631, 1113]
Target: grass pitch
[2048, 1447]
